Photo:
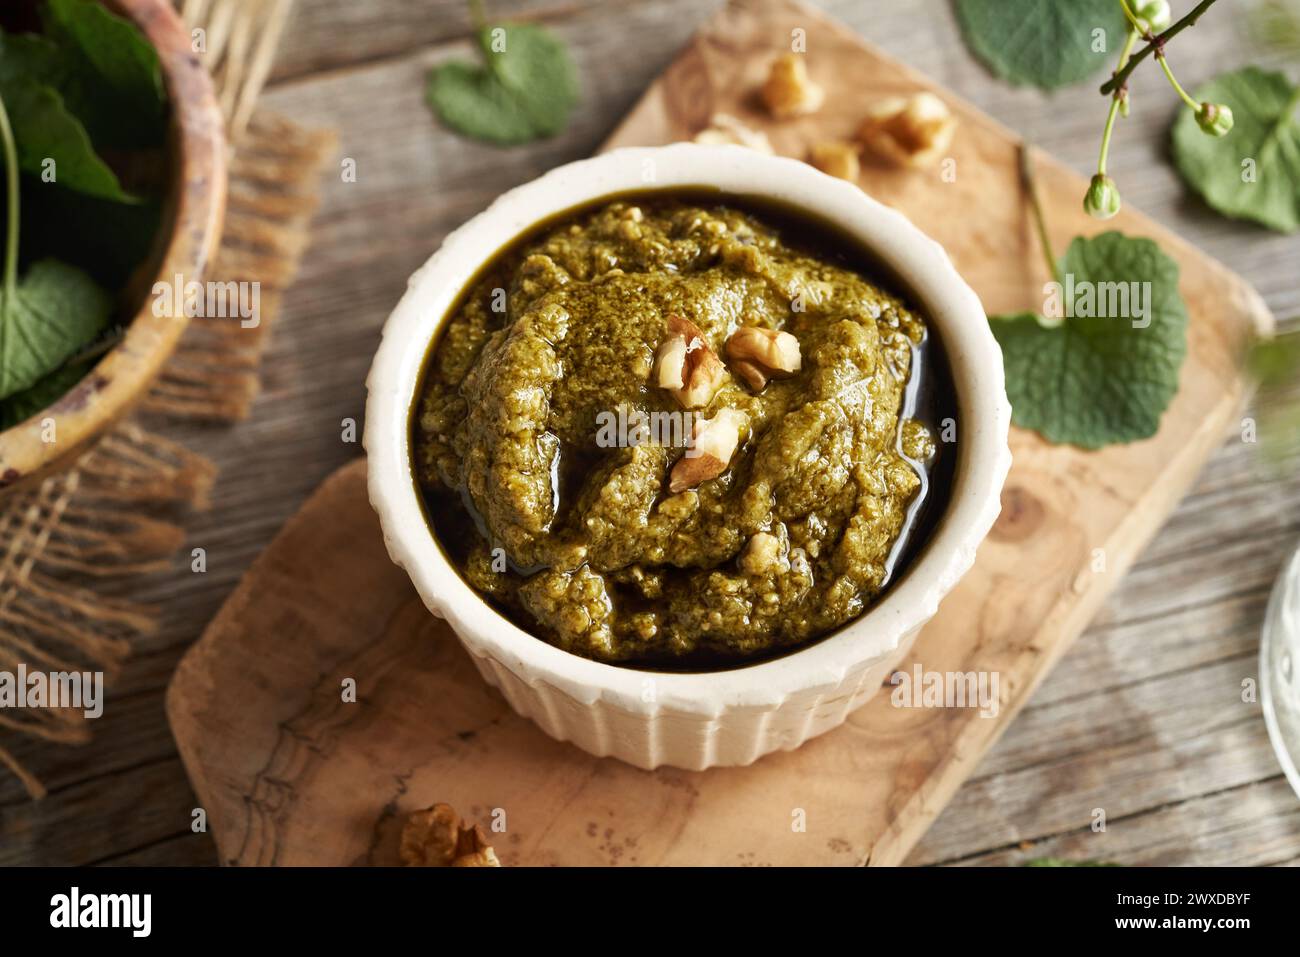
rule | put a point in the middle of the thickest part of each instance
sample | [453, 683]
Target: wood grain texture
[869, 790]
[1193, 599]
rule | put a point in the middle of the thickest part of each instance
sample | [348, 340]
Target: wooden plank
[1254, 825]
[144, 808]
[1032, 590]
[382, 29]
[1206, 740]
[128, 734]
[183, 850]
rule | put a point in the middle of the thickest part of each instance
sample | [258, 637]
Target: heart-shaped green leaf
[532, 63]
[1254, 171]
[1043, 43]
[526, 91]
[472, 101]
[1106, 371]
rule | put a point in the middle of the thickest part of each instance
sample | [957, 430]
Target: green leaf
[534, 64]
[472, 101]
[1095, 380]
[110, 75]
[1253, 172]
[31, 55]
[108, 240]
[21, 406]
[56, 311]
[526, 91]
[45, 130]
[1043, 43]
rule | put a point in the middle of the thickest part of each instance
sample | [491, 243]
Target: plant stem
[1173, 81]
[11, 228]
[1132, 17]
[1116, 99]
[1119, 97]
[1126, 51]
[1118, 80]
[1040, 222]
[1106, 133]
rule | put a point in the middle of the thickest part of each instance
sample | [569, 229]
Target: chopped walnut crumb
[912, 131]
[670, 363]
[473, 850]
[715, 441]
[761, 554]
[724, 129]
[436, 837]
[686, 366]
[836, 158]
[757, 355]
[788, 91]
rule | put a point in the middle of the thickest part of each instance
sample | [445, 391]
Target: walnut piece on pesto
[593, 496]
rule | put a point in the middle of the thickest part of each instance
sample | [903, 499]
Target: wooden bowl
[190, 229]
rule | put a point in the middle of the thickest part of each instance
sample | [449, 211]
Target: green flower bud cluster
[1102, 199]
[1149, 19]
[1214, 118]
[1154, 15]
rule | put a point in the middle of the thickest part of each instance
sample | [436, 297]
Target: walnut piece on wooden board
[473, 850]
[788, 91]
[835, 158]
[685, 365]
[910, 131]
[715, 441]
[757, 355]
[436, 837]
[725, 129]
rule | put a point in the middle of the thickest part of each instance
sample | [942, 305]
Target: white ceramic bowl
[730, 717]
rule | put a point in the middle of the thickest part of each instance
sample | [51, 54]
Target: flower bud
[1214, 118]
[1102, 200]
[1155, 14]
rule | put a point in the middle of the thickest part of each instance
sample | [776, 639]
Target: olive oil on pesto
[584, 546]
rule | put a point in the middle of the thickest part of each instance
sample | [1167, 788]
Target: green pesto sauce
[583, 544]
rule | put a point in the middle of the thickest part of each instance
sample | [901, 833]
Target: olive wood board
[290, 773]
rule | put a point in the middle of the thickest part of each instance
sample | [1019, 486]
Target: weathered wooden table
[1144, 718]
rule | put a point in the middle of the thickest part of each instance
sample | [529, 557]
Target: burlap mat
[117, 512]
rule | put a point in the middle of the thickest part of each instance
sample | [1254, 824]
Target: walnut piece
[835, 158]
[913, 131]
[757, 355]
[670, 363]
[473, 850]
[436, 837]
[788, 91]
[724, 129]
[686, 366]
[714, 442]
[762, 553]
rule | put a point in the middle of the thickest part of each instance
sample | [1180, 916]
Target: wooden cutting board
[290, 773]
